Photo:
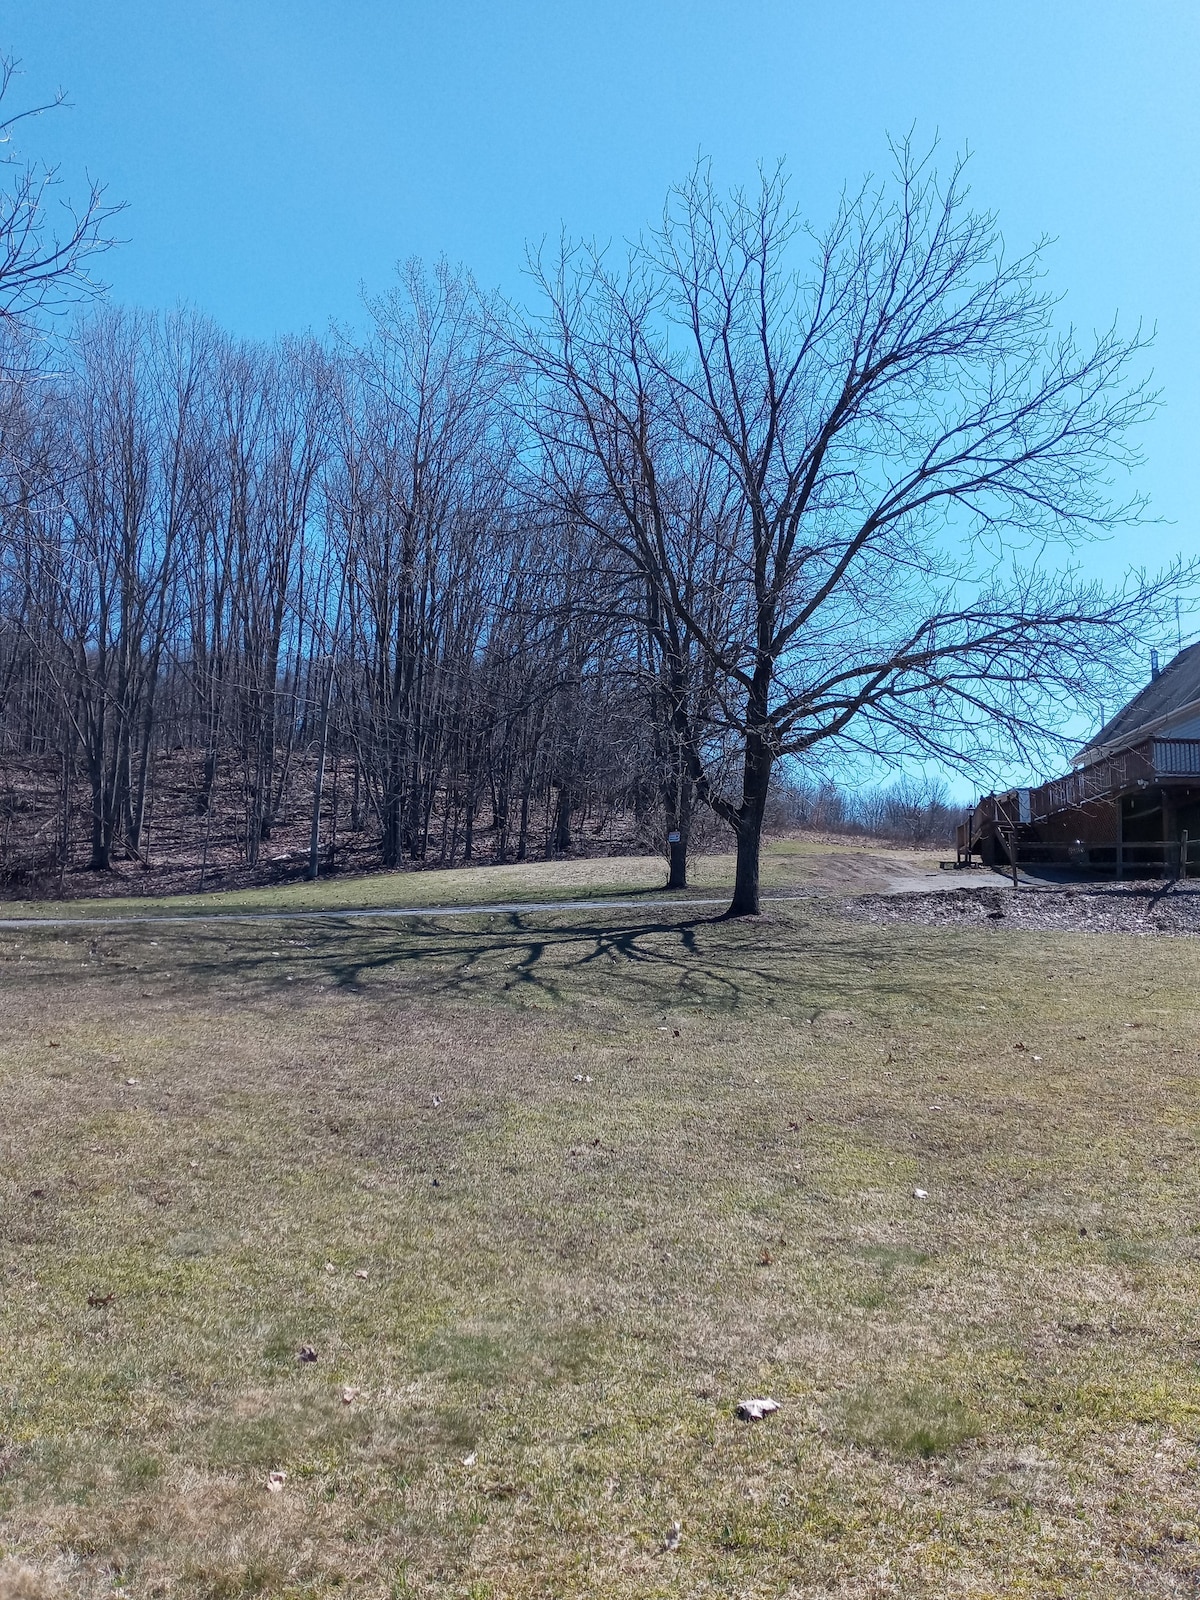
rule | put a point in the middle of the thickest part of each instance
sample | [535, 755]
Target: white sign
[672, 838]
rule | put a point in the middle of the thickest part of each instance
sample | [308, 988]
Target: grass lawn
[546, 1196]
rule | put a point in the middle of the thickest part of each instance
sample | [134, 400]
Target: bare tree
[900, 436]
[43, 268]
[613, 457]
[419, 492]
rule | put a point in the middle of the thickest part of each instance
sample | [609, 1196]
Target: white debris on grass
[756, 1410]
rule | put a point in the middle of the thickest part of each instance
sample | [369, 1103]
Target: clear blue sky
[276, 156]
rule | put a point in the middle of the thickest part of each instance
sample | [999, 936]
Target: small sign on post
[673, 838]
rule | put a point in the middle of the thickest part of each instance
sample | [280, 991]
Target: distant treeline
[909, 811]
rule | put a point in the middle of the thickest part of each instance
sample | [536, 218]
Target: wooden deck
[1076, 820]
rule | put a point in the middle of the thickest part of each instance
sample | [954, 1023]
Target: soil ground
[1135, 908]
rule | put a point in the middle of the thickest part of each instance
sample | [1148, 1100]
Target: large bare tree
[905, 449]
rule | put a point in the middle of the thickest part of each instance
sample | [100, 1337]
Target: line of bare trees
[749, 495]
[275, 558]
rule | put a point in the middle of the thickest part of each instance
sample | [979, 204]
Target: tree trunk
[756, 780]
[65, 849]
[745, 901]
[500, 822]
[677, 858]
[314, 836]
[356, 815]
[523, 834]
[678, 798]
[101, 831]
[391, 841]
[562, 821]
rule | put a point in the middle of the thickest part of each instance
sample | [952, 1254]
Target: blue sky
[275, 157]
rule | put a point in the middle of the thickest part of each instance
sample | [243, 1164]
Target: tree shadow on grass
[532, 960]
[519, 956]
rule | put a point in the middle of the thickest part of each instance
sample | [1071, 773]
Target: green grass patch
[917, 1421]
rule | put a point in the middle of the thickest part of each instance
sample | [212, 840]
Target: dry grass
[804, 864]
[570, 1283]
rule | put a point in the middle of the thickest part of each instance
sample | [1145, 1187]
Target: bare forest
[492, 582]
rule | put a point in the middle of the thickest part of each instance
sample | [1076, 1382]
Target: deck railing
[1176, 758]
[1096, 782]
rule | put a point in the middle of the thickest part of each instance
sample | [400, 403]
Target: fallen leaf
[672, 1537]
[469, 1461]
[306, 1353]
[275, 1482]
[920, 1194]
[95, 1299]
[350, 1394]
[329, 1267]
[360, 1272]
[764, 1260]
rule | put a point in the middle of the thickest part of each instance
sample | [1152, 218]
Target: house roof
[1177, 686]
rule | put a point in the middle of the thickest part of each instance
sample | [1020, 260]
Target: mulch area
[1138, 908]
